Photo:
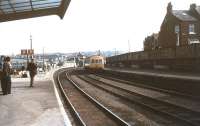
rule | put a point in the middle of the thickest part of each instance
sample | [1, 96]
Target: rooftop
[198, 9]
[183, 15]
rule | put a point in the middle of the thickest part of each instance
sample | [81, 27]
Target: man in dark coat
[1, 71]
[6, 76]
[32, 67]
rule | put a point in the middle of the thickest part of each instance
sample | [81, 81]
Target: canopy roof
[21, 9]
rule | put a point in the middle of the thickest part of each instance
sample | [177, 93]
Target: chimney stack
[169, 7]
[192, 6]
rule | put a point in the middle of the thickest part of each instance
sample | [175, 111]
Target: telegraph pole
[31, 46]
[129, 46]
[31, 42]
[43, 59]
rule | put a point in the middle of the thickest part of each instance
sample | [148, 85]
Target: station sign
[27, 52]
[24, 52]
[30, 51]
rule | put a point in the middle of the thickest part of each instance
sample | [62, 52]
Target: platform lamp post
[29, 52]
[31, 46]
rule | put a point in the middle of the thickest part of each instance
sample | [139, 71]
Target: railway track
[121, 80]
[183, 115]
[85, 109]
[180, 86]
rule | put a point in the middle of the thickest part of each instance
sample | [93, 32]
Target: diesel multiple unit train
[95, 62]
[183, 58]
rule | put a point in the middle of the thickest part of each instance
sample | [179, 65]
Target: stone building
[180, 27]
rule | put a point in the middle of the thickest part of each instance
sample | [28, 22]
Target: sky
[90, 25]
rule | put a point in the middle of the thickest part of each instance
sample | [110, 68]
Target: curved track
[85, 109]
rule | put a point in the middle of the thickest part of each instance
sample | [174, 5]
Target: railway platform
[181, 83]
[159, 73]
[37, 106]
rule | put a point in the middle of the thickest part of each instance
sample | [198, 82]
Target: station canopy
[21, 9]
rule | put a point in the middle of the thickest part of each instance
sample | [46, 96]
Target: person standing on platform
[6, 76]
[1, 71]
[32, 68]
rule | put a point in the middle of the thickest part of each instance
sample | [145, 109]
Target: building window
[100, 61]
[176, 29]
[191, 29]
[193, 41]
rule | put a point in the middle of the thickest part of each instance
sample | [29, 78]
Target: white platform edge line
[62, 110]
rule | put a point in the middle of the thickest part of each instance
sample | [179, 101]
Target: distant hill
[85, 53]
[104, 53]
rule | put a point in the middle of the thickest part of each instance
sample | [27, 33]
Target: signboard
[30, 51]
[27, 52]
[24, 52]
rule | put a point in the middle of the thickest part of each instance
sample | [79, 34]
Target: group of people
[6, 70]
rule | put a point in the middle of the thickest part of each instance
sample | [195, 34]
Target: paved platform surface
[180, 75]
[27, 106]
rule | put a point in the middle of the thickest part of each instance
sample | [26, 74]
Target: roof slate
[198, 9]
[183, 15]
